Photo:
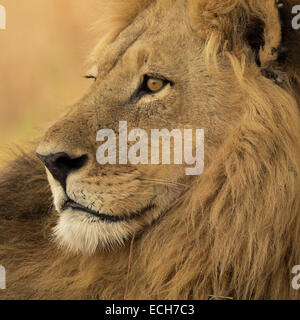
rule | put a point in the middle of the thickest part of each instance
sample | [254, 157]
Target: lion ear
[256, 23]
[264, 26]
[264, 33]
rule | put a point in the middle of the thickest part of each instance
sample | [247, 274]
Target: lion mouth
[105, 217]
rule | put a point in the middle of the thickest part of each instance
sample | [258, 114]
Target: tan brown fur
[234, 231]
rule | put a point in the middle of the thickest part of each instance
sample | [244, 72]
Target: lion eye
[155, 85]
[92, 73]
[88, 76]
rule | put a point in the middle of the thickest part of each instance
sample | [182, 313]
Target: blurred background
[42, 63]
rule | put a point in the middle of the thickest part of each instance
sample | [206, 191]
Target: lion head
[229, 69]
[178, 65]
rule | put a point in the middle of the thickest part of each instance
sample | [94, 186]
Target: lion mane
[234, 234]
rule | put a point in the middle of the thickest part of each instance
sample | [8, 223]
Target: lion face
[153, 76]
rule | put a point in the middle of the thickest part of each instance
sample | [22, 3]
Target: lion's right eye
[90, 77]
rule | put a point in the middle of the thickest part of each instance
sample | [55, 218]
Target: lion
[74, 229]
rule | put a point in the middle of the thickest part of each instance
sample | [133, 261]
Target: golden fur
[231, 232]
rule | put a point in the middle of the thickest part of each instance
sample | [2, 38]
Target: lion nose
[61, 164]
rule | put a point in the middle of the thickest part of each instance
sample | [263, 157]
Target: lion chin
[77, 232]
